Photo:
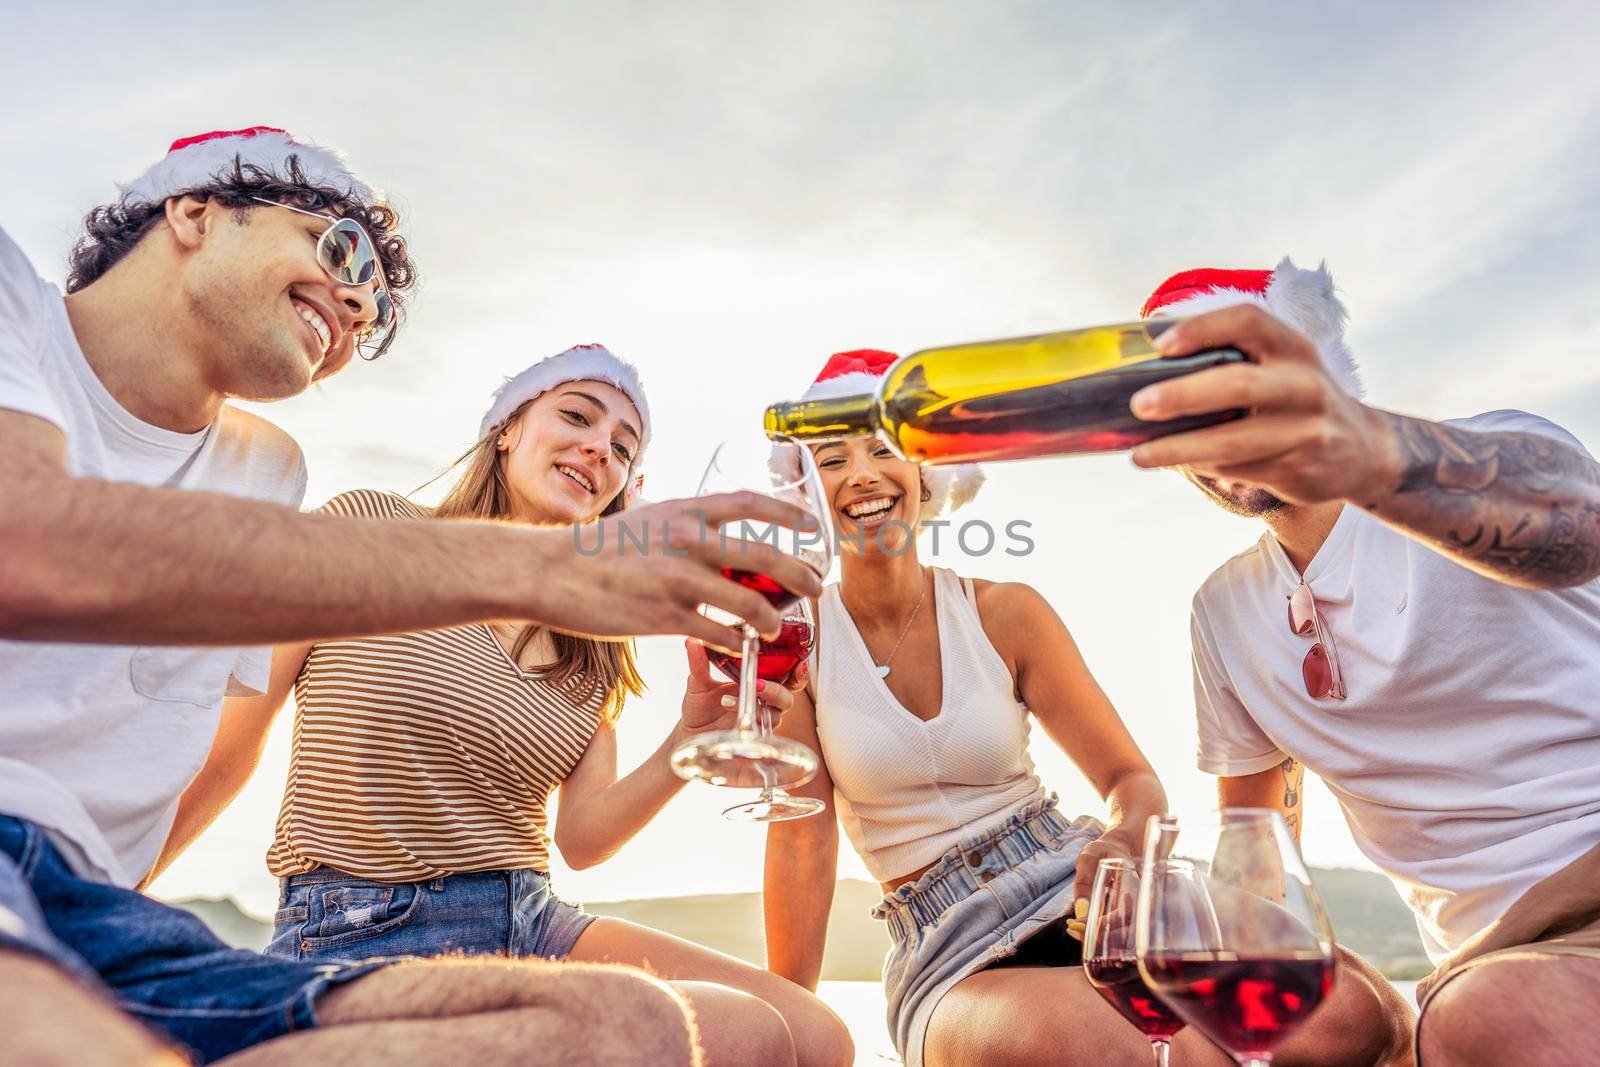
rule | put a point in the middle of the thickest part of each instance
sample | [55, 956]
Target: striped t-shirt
[423, 754]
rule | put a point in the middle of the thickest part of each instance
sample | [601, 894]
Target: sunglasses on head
[348, 255]
[1320, 669]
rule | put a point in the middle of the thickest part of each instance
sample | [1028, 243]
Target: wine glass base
[779, 807]
[744, 761]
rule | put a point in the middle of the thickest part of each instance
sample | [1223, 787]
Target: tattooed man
[1420, 625]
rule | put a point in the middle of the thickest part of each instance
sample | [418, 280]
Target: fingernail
[1166, 339]
[1140, 456]
[761, 685]
[728, 701]
[1146, 401]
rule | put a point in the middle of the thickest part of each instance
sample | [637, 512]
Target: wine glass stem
[1161, 1049]
[745, 724]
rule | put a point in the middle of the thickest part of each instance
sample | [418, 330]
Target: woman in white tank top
[922, 691]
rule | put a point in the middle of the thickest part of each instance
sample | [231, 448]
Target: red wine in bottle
[776, 661]
[1121, 984]
[1248, 1005]
[1047, 395]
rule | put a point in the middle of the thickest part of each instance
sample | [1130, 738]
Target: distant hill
[1367, 915]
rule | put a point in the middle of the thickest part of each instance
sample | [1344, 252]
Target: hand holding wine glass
[653, 569]
[780, 663]
[1236, 939]
[711, 704]
[1110, 959]
[748, 755]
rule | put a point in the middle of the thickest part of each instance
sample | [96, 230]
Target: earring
[927, 494]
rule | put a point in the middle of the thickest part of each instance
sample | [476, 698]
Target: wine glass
[1235, 940]
[1110, 959]
[776, 661]
[746, 755]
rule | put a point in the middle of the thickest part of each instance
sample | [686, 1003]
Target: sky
[724, 194]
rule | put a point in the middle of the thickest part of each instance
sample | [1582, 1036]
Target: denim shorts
[976, 908]
[160, 964]
[326, 914]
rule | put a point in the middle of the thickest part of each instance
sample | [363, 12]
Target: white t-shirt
[1467, 755]
[97, 742]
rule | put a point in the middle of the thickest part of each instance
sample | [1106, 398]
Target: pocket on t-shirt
[182, 675]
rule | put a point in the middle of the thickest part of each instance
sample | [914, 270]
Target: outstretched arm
[1517, 507]
[95, 561]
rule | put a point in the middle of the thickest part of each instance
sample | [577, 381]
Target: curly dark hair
[112, 230]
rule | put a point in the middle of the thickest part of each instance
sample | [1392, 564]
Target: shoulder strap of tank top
[972, 598]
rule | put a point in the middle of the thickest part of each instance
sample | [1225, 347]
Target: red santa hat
[859, 371]
[193, 163]
[1304, 299]
[590, 362]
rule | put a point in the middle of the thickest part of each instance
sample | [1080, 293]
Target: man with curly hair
[149, 536]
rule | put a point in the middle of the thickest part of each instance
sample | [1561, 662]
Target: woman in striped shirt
[414, 823]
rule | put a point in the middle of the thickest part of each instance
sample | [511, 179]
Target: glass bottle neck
[823, 420]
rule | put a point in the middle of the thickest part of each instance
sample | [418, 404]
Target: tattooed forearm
[1293, 776]
[1516, 507]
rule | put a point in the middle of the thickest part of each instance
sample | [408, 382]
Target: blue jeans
[159, 964]
[327, 914]
[978, 907]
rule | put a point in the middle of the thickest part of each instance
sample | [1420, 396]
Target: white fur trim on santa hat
[579, 363]
[201, 163]
[1306, 300]
[949, 488]
[856, 383]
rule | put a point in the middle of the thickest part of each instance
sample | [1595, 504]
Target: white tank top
[907, 791]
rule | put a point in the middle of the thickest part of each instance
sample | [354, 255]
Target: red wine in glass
[776, 661]
[1249, 1005]
[776, 595]
[1121, 984]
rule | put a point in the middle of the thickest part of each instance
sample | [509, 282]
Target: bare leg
[50, 1020]
[1366, 1021]
[819, 1038]
[737, 1027]
[1049, 1016]
[1526, 1007]
[487, 1012]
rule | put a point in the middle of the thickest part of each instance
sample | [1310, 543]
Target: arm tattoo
[1293, 776]
[1516, 507]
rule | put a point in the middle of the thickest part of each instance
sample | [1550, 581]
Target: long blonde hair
[583, 666]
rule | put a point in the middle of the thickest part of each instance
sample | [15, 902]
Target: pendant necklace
[883, 668]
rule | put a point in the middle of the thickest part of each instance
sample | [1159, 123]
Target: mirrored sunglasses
[1320, 668]
[349, 256]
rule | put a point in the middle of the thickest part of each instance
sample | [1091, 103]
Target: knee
[821, 1038]
[736, 1027]
[1478, 1017]
[1365, 1021]
[639, 1020]
[765, 1036]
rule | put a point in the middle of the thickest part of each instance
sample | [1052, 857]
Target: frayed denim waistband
[975, 862]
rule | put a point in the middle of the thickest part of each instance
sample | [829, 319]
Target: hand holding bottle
[1304, 438]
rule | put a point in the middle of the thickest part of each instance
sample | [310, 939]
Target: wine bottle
[1049, 394]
